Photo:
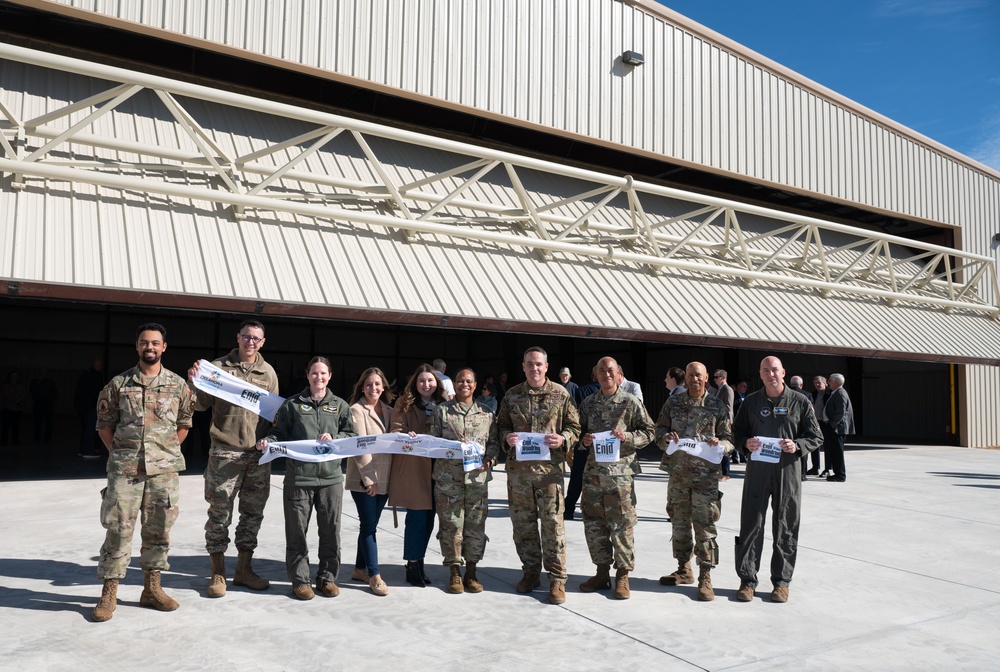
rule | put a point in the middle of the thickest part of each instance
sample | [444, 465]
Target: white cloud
[987, 150]
[926, 8]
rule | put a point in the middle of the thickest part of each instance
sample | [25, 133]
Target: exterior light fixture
[633, 58]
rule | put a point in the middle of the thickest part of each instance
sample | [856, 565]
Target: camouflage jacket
[619, 411]
[699, 419]
[145, 419]
[547, 410]
[235, 428]
[458, 422]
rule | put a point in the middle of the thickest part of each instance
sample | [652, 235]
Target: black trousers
[576, 479]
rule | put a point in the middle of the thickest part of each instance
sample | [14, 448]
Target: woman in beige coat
[368, 475]
[410, 484]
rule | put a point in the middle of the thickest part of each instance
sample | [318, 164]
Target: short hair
[617, 365]
[721, 372]
[676, 373]
[440, 364]
[535, 348]
[837, 378]
[256, 324]
[475, 378]
[823, 378]
[319, 360]
[152, 326]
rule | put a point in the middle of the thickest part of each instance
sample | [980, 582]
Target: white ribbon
[770, 450]
[531, 447]
[695, 448]
[607, 448]
[422, 445]
[213, 380]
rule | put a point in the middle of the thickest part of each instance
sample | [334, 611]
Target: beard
[150, 357]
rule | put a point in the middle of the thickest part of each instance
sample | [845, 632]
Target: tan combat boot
[705, 592]
[245, 575]
[557, 592]
[622, 591]
[109, 600]
[455, 580]
[529, 581]
[153, 595]
[682, 576]
[471, 583]
[217, 586]
[599, 581]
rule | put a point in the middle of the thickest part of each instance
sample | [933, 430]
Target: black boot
[413, 575]
[423, 574]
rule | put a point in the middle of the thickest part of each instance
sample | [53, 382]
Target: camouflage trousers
[533, 497]
[462, 510]
[232, 472]
[694, 503]
[122, 501]
[609, 519]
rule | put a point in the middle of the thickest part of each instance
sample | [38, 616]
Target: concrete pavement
[898, 569]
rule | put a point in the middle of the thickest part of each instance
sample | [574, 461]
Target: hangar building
[387, 182]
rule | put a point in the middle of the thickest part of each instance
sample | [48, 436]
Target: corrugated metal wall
[557, 63]
[982, 397]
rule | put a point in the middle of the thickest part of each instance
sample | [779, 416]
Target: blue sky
[931, 65]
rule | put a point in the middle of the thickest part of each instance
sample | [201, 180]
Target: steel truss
[609, 217]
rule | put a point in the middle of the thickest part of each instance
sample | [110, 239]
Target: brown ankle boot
[471, 583]
[705, 591]
[217, 586]
[599, 581]
[153, 595]
[245, 575]
[557, 592]
[682, 576]
[529, 581]
[622, 591]
[455, 580]
[109, 600]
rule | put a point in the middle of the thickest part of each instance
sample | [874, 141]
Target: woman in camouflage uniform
[460, 496]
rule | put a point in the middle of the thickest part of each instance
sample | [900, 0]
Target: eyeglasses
[246, 338]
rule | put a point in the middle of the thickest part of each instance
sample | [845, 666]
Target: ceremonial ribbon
[695, 448]
[213, 380]
[421, 445]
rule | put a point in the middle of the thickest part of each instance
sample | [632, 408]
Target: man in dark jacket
[776, 426]
[840, 416]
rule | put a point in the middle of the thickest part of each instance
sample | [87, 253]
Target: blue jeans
[369, 511]
[417, 533]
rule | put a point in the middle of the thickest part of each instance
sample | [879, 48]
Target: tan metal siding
[982, 396]
[696, 101]
[557, 64]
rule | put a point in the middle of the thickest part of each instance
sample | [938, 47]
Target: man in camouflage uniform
[609, 515]
[776, 412]
[233, 462]
[693, 488]
[460, 497]
[535, 488]
[143, 416]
